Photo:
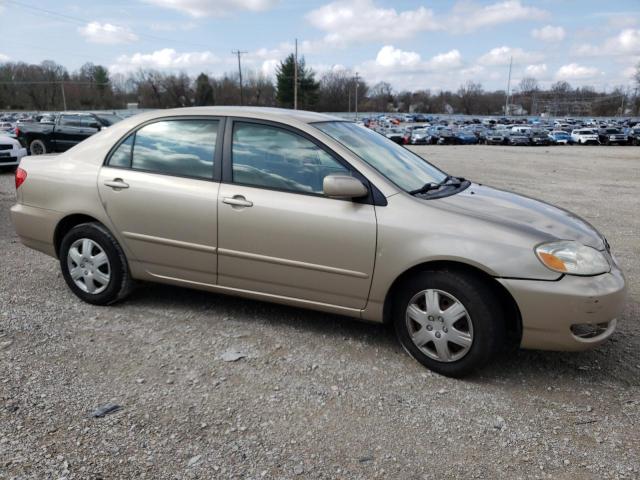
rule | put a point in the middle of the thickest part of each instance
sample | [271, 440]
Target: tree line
[50, 86]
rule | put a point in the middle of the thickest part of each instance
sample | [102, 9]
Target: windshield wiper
[427, 187]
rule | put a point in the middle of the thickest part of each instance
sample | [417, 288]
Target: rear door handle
[116, 183]
[237, 201]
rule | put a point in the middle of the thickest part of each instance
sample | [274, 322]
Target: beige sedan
[312, 211]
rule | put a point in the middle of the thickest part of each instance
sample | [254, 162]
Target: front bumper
[11, 158]
[549, 310]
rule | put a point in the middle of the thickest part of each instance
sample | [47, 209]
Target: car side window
[70, 120]
[176, 147]
[272, 157]
[121, 156]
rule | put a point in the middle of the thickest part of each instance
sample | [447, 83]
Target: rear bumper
[36, 227]
[549, 310]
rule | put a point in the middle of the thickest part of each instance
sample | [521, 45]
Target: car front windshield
[401, 166]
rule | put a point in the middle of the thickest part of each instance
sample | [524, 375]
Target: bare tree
[470, 94]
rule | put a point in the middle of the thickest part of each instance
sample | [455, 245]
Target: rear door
[160, 190]
[278, 234]
[71, 130]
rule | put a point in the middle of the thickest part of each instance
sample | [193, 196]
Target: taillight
[21, 176]
[17, 132]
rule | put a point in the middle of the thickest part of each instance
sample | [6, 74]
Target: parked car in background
[11, 152]
[539, 137]
[560, 137]
[420, 136]
[395, 135]
[167, 197]
[634, 136]
[585, 136]
[67, 130]
[612, 136]
[496, 137]
[465, 138]
[7, 128]
[517, 138]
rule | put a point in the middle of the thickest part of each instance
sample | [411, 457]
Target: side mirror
[343, 186]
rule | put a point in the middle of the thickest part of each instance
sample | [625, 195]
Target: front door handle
[237, 201]
[116, 183]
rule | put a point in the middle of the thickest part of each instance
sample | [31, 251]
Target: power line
[357, 79]
[295, 78]
[81, 21]
[51, 82]
[239, 53]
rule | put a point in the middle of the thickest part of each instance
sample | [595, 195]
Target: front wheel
[451, 322]
[93, 264]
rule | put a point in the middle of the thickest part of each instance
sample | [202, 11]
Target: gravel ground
[316, 396]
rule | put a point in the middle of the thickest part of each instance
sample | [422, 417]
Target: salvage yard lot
[317, 396]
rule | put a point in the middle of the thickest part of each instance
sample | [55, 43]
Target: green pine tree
[307, 85]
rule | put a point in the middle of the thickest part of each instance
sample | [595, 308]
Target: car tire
[482, 325]
[94, 278]
[37, 147]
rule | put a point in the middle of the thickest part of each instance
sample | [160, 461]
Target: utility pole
[357, 78]
[506, 103]
[238, 53]
[295, 78]
[64, 99]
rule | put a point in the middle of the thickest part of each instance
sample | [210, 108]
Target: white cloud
[548, 33]
[446, 61]
[347, 21]
[468, 16]
[362, 20]
[269, 67]
[502, 55]
[389, 56]
[4, 58]
[620, 20]
[536, 70]
[213, 8]
[106, 33]
[166, 58]
[408, 70]
[626, 42]
[573, 71]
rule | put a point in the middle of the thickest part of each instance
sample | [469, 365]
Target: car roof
[264, 113]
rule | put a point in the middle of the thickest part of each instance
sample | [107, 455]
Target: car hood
[526, 214]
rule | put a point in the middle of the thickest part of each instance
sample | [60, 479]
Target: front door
[159, 191]
[278, 234]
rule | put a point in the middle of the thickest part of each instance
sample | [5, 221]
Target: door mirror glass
[343, 186]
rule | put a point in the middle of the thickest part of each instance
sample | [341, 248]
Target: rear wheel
[93, 264]
[449, 321]
[37, 147]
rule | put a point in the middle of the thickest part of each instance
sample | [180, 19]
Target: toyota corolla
[313, 211]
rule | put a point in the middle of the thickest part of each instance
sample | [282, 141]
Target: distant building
[514, 109]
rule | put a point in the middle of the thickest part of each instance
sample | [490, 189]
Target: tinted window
[121, 157]
[176, 147]
[271, 157]
[70, 120]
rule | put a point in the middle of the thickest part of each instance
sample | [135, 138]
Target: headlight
[572, 258]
